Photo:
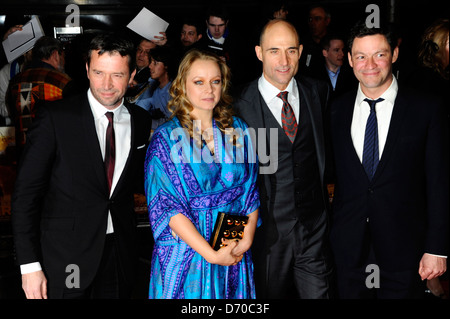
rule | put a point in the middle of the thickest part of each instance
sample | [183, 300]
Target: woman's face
[204, 85]
[157, 69]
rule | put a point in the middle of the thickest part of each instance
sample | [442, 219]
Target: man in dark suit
[73, 223]
[290, 251]
[390, 210]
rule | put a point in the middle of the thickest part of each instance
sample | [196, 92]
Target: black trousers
[358, 282]
[297, 265]
[108, 282]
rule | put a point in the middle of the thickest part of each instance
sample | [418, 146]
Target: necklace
[216, 144]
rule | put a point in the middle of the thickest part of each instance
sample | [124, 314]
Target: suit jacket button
[367, 220]
[370, 190]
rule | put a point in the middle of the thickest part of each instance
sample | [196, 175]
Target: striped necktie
[371, 151]
[288, 120]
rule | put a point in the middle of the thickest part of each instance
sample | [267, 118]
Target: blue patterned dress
[182, 178]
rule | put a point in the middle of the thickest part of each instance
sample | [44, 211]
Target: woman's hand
[242, 246]
[186, 230]
[249, 233]
[224, 255]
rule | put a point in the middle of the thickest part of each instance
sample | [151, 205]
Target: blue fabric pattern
[184, 178]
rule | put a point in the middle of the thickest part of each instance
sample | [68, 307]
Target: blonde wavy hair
[432, 48]
[180, 105]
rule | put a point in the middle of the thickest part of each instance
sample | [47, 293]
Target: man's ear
[54, 59]
[300, 50]
[350, 59]
[258, 51]
[395, 54]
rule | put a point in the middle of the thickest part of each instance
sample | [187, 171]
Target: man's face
[189, 35]
[279, 53]
[318, 22]
[216, 26]
[108, 75]
[335, 53]
[142, 51]
[371, 60]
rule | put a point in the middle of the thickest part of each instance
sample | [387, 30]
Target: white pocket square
[142, 146]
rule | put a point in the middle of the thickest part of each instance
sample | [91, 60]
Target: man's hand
[34, 285]
[431, 266]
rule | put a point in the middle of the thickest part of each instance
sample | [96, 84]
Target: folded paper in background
[148, 25]
[20, 42]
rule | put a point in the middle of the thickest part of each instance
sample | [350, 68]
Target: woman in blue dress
[199, 163]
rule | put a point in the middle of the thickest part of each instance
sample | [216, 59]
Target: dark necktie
[288, 117]
[110, 149]
[371, 151]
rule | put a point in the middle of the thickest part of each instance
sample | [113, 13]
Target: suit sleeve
[437, 172]
[31, 185]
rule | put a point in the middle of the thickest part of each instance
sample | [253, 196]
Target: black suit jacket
[61, 199]
[346, 80]
[249, 106]
[403, 212]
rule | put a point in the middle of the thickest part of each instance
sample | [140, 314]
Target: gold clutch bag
[227, 226]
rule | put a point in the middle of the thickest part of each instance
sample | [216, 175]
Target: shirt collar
[331, 73]
[389, 95]
[98, 110]
[270, 92]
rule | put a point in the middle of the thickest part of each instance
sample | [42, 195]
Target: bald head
[279, 51]
[278, 25]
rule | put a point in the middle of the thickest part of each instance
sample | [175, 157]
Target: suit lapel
[132, 146]
[345, 121]
[91, 142]
[397, 118]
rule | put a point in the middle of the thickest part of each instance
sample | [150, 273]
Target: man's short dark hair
[219, 11]
[325, 42]
[361, 30]
[45, 46]
[113, 43]
[193, 23]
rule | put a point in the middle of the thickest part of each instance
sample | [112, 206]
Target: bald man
[291, 254]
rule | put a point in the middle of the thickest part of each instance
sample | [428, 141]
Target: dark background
[246, 18]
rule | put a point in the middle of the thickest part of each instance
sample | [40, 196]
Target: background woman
[156, 97]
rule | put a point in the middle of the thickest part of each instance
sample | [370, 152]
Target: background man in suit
[390, 208]
[335, 71]
[290, 251]
[74, 227]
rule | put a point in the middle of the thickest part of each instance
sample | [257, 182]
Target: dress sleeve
[251, 195]
[163, 187]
